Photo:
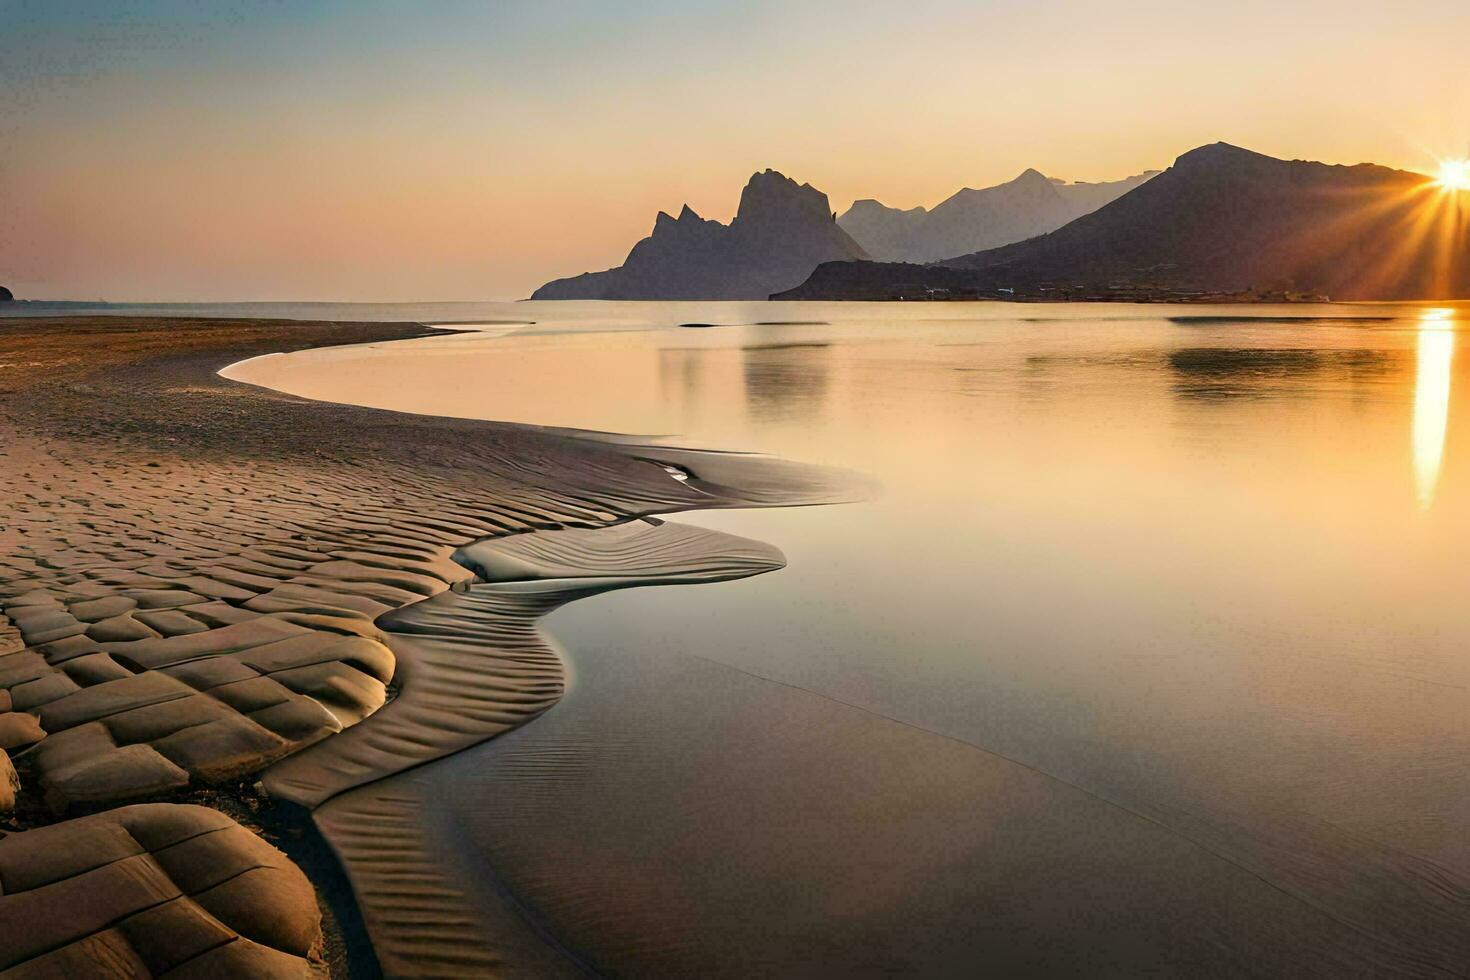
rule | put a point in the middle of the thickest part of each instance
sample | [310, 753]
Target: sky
[405, 151]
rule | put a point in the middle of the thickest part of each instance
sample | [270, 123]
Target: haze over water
[1148, 653]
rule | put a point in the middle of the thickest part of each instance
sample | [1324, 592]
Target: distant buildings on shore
[1112, 292]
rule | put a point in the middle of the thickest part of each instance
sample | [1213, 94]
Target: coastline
[673, 816]
[705, 800]
[336, 515]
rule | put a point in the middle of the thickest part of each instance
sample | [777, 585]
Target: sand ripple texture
[199, 578]
[154, 890]
[427, 916]
[473, 662]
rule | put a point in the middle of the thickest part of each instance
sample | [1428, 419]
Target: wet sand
[201, 579]
[673, 815]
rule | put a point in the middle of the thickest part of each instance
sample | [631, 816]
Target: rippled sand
[199, 578]
[212, 583]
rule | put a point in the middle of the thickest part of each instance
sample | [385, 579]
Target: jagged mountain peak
[780, 233]
[975, 218]
[688, 222]
[770, 194]
[1222, 222]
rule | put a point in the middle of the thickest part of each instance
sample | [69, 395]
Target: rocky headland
[781, 232]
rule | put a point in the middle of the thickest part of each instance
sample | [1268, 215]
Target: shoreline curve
[173, 545]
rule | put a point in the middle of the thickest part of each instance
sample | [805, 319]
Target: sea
[1146, 652]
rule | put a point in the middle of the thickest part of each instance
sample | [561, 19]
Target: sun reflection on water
[1432, 399]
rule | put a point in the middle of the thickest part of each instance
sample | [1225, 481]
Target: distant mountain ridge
[1221, 220]
[971, 220]
[781, 232]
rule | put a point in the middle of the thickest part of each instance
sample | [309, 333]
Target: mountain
[971, 220]
[6, 295]
[1222, 221]
[885, 233]
[782, 231]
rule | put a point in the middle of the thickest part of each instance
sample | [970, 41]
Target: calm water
[1149, 654]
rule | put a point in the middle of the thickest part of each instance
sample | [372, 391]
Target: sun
[1454, 175]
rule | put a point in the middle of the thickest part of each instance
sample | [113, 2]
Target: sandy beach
[207, 585]
[290, 687]
[734, 491]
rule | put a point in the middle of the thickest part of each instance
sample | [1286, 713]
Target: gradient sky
[363, 150]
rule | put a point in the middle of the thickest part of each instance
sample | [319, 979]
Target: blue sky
[371, 150]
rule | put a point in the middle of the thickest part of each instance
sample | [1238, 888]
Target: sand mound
[154, 890]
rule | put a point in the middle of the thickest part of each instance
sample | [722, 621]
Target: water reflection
[1237, 372]
[786, 381]
[1432, 400]
[1190, 582]
[681, 384]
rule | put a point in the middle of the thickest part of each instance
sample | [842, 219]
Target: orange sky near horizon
[374, 151]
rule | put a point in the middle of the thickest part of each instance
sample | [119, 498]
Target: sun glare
[1432, 398]
[1454, 175]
